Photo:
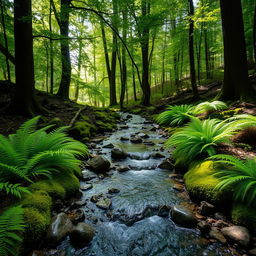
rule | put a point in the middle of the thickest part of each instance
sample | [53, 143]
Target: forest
[127, 127]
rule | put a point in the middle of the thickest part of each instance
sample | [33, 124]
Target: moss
[137, 111]
[39, 200]
[82, 129]
[69, 182]
[105, 126]
[37, 224]
[226, 114]
[244, 215]
[53, 188]
[200, 183]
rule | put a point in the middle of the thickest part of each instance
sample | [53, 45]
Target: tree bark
[254, 33]
[236, 84]
[51, 52]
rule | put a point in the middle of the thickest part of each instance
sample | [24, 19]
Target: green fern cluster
[31, 153]
[240, 177]
[200, 137]
[209, 107]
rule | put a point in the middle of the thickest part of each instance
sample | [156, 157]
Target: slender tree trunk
[236, 84]
[79, 69]
[254, 34]
[51, 52]
[5, 39]
[63, 91]
[191, 50]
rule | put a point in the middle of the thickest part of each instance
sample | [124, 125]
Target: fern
[176, 115]
[11, 221]
[209, 107]
[240, 176]
[13, 189]
[200, 137]
[30, 153]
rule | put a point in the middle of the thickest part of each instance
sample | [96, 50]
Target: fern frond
[209, 106]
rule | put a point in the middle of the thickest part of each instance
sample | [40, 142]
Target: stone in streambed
[237, 234]
[110, 145]
[86, 187]
[204, 227]
[59, 228]
[76, 215]
[166, 164]
[104, 203]
[99, 164]
[123, 168]
[136, 139]
[81, 234]
[157, 155]
[183, 217]
[216, 234]
[113, 190]
[143, 135]
[124, 138]
[206, 209]
[117, 153]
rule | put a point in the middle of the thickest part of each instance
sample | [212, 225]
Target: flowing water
[132, 226]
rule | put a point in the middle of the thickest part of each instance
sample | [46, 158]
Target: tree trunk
[51, 51]
[236, 84]
[63, 91]
[24, 101]
[191, 50]
[254, 34]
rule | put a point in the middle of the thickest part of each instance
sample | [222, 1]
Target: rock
[113, 190]
[37, 253]
[110, 145]
[149, 143]
[87, 176]
[86, 187]
[79, 203]
[237, 234]
[117, 153]
[216, 234]
[104, 203]
[129, 116]
[164, 211]
[183, 217]
[219, 216]
[124, 126]
[123, 168]
[136, 139]
[76, 216]
[178, 187]
[143, 135]
[252, 252]
[204, 227]
[81, 234]
[59, 228]
[96, 198]
[124, 138]
[220, 224]
[206, 209]
[157, 155]
[166, 164]
[99, 164]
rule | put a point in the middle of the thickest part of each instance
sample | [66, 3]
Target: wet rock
[166, 164]
[143, 135]
[124, 138]
[206, 209]
[76, 215]
[113, 190]
[117, 153]
[136, 139]
[110, 145]
[87, 176]
[183, 217]
[59, 228]
[81, 234]
[149, 143]
[79, 203]
[252, 252]
[164, 211]
[157, 155]
[104, 203]
[86, 187]
[220, 224]
[237, 234]
[129, 116]
[204, 227]
[96, 198]
[124, 126]
[123, 168]
[178, 187]
[216, 234]
[99, 164]
[220, 216]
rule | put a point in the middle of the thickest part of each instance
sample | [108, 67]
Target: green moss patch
[226, 114]
[244, 215]
[82, 129]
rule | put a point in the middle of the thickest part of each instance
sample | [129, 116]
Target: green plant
[176, 115]
[200, 137]
[240, 176]
[11, 221]
[30, 153]
[248, 120]
[209, 107]
[13, 189]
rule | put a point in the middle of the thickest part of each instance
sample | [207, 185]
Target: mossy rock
[226, 113]
[103, 116]
[105, 126]
[39, 200]
[37, 224]
[69, 182]
[244, 215]
[53, 188]
[137, 110]
[82, 129]
[200, 183]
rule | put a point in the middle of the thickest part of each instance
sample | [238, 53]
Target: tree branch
[65, 38]
[7, 53]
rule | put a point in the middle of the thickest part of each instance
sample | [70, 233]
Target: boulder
[104, 203]
[136, 139]
[123, 168]
[164, 211]
[99, 164]
[59, 228]
[216, 234]
[117, 153]
[206, 209]
[183, 217]
[237, 234]
[81, 234]
[166, 164]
